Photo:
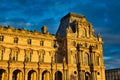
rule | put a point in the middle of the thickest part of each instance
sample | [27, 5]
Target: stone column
[67, 75]
[64, 74]
[25, 75]
[5, 77]
[94, 76]
[52, 65]
[79, 61]
[10, 74]
[21, 76]
[92, 58]
[39, 70]
[64, 69]
[25, 71]
[9, 71]
[53, 75]
[83, 75]
[40, 75]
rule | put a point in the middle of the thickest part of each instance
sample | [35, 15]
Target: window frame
[29, 41]
[1, 38]
[16, 40]
[41, 43]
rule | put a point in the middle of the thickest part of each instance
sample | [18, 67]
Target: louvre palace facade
[73, 53]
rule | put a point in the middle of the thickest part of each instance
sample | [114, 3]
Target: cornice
[23, 33]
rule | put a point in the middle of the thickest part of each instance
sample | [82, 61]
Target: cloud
[103, 14]
[51, 23]
[112, 63]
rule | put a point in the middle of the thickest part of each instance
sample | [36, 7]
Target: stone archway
[87, 76]
[2, 74]
[17, 75]
[58, 75]
[45, 75]
[32, 75]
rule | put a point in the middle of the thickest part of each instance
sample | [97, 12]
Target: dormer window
[15, 40]
[41, 43]
[1, 38]
[29, 41]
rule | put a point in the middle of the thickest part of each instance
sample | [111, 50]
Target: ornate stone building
[112, 74]
[74, 53]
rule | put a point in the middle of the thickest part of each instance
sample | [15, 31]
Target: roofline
[112, 69]
[73, 14]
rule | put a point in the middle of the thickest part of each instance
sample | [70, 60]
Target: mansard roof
[74, 15]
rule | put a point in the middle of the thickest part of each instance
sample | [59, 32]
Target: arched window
[17, 75]
[3, 74]
[15, 40]
[45, 75]
[87, 76]
[86, 59]
[32, 75]
[1, 38]
[58, 75]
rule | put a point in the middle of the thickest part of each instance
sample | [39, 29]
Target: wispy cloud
[33, 14]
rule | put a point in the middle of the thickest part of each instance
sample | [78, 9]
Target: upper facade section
[9, 35]
[75, 25]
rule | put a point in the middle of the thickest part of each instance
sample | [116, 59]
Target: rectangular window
[86, 59]
[1, 38]
[97, 60]
[16, 40]
[28, 57]
[42, 57]
[41, 43]
[29, 41]
[14, 55]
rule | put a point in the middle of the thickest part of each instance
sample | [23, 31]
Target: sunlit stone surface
[74, 53]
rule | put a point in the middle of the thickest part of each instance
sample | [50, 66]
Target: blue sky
[33, 14]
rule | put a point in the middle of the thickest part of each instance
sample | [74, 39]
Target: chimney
[44, 29]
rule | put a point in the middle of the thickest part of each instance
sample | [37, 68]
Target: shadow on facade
[2, 74]
[32, 75]
[58, 75]
[17, 75]
[46, 75]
